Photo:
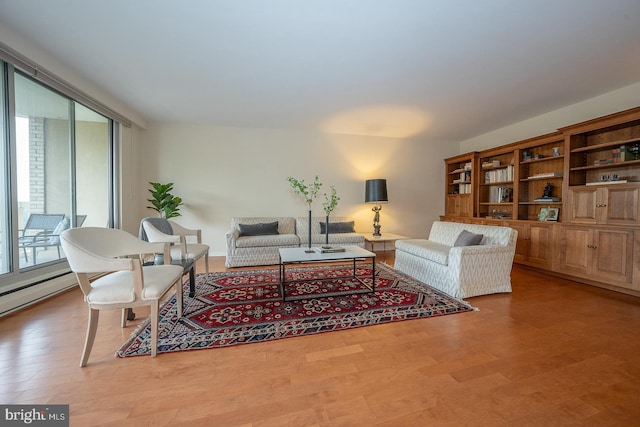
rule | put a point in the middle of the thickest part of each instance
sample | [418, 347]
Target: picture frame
[552, 215]
[548, 214]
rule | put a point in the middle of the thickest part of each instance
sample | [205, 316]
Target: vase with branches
[309, 192]
[329, 205]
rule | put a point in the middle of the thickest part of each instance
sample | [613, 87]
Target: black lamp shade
[376, 191]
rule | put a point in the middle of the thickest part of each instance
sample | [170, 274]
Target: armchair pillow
[467, 238]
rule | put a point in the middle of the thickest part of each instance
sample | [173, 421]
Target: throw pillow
[260, 229]
[338, 227]
[467, 238]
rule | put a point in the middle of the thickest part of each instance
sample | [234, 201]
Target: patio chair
[37, 231]
[122, 282]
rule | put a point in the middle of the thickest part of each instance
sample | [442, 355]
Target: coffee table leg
[192, 281]
[282, 278]
[373, 274]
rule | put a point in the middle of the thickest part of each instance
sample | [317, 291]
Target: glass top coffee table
[290, 256]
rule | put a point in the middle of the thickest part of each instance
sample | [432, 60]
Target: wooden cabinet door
[534, 245]
[465, 205]
[576, 250]
[541, 250]
[620, 205]
[613, 256]
[451, 205]
[582, 205]
[459, 205]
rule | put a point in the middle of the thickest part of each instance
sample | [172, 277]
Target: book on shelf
[329, 249]
[547, 199]
[499, 175]
[491, 164]
[464, 188]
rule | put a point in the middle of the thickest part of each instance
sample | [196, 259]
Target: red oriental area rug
[241, 307]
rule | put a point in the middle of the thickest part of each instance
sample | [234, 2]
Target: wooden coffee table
[289, 256]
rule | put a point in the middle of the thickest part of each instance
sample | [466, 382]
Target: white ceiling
[431, 69]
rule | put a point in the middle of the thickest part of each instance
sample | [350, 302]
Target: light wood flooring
[552, 353]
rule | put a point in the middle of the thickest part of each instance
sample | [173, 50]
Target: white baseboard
[33, 294]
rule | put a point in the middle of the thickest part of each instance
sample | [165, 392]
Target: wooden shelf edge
[605, 145]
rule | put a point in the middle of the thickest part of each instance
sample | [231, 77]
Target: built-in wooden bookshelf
[460, 181]
[573, 195]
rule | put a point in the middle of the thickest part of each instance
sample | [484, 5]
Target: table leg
[192, 281]
[373, 274]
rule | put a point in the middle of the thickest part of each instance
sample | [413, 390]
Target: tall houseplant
[329, 205]
[163, 202]
[309, 192]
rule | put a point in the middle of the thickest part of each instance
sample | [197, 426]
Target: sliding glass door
[57, 172]
[5, 235]
[92, 147]
[43, 153]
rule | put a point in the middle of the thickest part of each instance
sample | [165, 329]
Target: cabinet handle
[592, 246]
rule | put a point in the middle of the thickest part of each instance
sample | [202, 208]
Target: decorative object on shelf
[376, 192]
[547, 194]
[163, 202]
[329, 205]
[556, 151]
[634, 150]
[499, 214]
[309, 192]
[526, 155]
[548, 214]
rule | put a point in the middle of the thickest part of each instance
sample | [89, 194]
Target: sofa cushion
[276, 240]
[302, 226]
[338, 227]
[426, 249]
[338, 239]
[259, 229]
[467, 238]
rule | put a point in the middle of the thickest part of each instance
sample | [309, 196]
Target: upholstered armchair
[109, 268]
[166, 231]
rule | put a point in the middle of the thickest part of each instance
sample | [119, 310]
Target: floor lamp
[376, 192]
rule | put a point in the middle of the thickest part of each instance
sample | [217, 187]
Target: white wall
[611, 102]
[222, 172]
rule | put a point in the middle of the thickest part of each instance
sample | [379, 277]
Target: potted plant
[329, 205]
[163, 202]
[309, 192]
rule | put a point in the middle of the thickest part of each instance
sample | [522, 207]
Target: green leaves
[162, 201]
[310, 192]
[330, 201]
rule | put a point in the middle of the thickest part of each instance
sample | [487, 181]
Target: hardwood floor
[554, 352]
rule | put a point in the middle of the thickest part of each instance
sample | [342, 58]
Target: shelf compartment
[606, 145]
[606, 166]
[544, 159]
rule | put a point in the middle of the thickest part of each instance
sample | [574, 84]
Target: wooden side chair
[122, 281]
[164, 230]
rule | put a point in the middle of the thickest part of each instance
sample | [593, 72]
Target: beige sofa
[293, 232]
[460, 271]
